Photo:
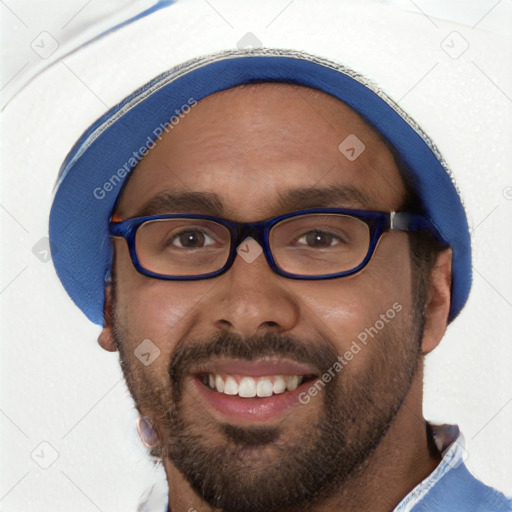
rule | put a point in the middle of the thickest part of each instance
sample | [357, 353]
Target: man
[281, 262]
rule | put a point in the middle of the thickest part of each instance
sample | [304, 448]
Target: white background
[57, 385]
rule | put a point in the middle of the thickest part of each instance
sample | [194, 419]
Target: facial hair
[295, 465]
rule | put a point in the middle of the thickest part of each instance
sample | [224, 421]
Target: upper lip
[259, 368]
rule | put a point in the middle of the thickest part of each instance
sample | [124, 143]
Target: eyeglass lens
[309, 245]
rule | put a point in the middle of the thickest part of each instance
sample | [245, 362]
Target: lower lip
[235, 409]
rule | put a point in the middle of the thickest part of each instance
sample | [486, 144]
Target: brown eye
[318, 238]
[191, 239]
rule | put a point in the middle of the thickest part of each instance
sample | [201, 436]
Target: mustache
[188, 353]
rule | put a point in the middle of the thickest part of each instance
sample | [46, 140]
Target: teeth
[264, 387]
[248, 387]
[292, 382]
[279, 385]
[230, 386]
[219, 383]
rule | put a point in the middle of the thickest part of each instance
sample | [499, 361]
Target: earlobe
[437, 307]
[106, 339]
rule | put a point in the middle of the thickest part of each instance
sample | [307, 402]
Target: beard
[313, 453]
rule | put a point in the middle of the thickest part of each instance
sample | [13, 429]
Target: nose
[250, 298]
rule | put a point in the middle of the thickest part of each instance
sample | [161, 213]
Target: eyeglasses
[317, 243]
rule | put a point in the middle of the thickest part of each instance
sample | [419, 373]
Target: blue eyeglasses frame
[378, 223]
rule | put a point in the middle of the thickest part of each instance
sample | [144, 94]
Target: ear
[106, 339]
[437, 307]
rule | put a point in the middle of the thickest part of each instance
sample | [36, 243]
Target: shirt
[449, 488]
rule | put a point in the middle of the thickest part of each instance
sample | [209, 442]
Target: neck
[400, 462]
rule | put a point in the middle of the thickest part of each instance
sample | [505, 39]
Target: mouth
[242, 392]
[245, 386]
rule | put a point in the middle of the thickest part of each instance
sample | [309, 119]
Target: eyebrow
[342, 196]
[209, 203]
[183, 202]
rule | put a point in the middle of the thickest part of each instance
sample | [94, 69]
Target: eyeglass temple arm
[405, 221]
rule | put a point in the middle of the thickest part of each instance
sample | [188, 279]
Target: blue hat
[101, 161]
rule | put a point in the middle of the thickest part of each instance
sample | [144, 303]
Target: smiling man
[239, 349]
[273, 258]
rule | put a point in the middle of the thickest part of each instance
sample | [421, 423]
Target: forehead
[264, 149]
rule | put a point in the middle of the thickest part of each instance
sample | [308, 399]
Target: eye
[191, 239]
[318, 239]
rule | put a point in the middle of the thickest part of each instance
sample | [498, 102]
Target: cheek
[158, 310]
[340, 309]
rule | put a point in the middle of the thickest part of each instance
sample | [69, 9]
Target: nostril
[270, 326]
[225, 323]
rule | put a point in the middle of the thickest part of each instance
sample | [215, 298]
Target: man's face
[252, 149]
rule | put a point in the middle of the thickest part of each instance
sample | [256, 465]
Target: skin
[247, 145]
